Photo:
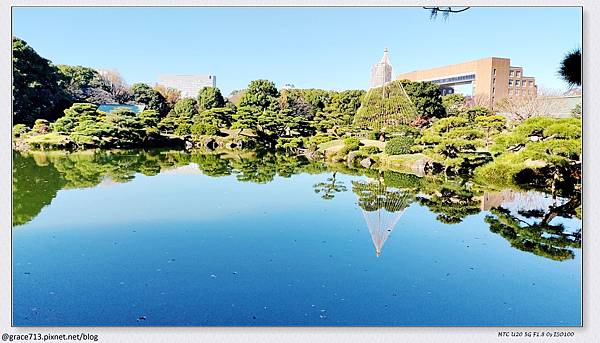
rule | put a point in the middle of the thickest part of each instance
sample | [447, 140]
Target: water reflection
[328, 189]
[531, 229]
[530, 221]
[382, 208]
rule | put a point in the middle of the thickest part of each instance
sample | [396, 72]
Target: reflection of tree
[329, 188]
[37, 176]
[452, 203]
[34, 186]
[212, 165]
[538, 237]
[259, 170]
[262, 168]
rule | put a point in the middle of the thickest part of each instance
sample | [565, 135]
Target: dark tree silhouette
[570, 68]
[444, 10]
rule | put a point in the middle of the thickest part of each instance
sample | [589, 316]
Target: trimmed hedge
[369, 150]
[399, 145]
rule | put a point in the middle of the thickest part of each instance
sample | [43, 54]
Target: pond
[171, 238]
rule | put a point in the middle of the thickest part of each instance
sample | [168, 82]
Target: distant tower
[381, 73]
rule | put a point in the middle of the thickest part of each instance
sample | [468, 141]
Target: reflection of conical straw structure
[382, 208]
[381, 223]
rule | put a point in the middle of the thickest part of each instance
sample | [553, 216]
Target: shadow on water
[530, 221]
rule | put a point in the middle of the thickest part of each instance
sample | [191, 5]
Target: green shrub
[49, 141]
[200, 129]
[399, 145]
[402, 130]
[183, 129]
[151, 131]
[19, 130]
[500, 173]
[41, 126]
[314, 141]
[149, 118]
[369, 150]
[289, 143]
[343, 151]
[351, 143]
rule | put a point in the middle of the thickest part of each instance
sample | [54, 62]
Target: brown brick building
[493, 78]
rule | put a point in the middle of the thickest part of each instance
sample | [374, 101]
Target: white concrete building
[188, 85]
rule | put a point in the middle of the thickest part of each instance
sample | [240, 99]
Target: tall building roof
[381, 72]
[386, 57]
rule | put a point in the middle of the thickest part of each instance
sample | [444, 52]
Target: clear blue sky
[330, 48]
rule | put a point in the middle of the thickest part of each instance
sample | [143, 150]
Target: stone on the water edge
[367, 162]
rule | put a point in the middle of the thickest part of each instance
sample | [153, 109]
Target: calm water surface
[169, 238]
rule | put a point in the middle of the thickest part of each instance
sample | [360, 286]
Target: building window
[494, 71]
[512, 73]
[494, 90]
[517, 92]
[517, 83]
[518, 73]
[510, 91]
[530, 83]
[494, 81]
[509, 83]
